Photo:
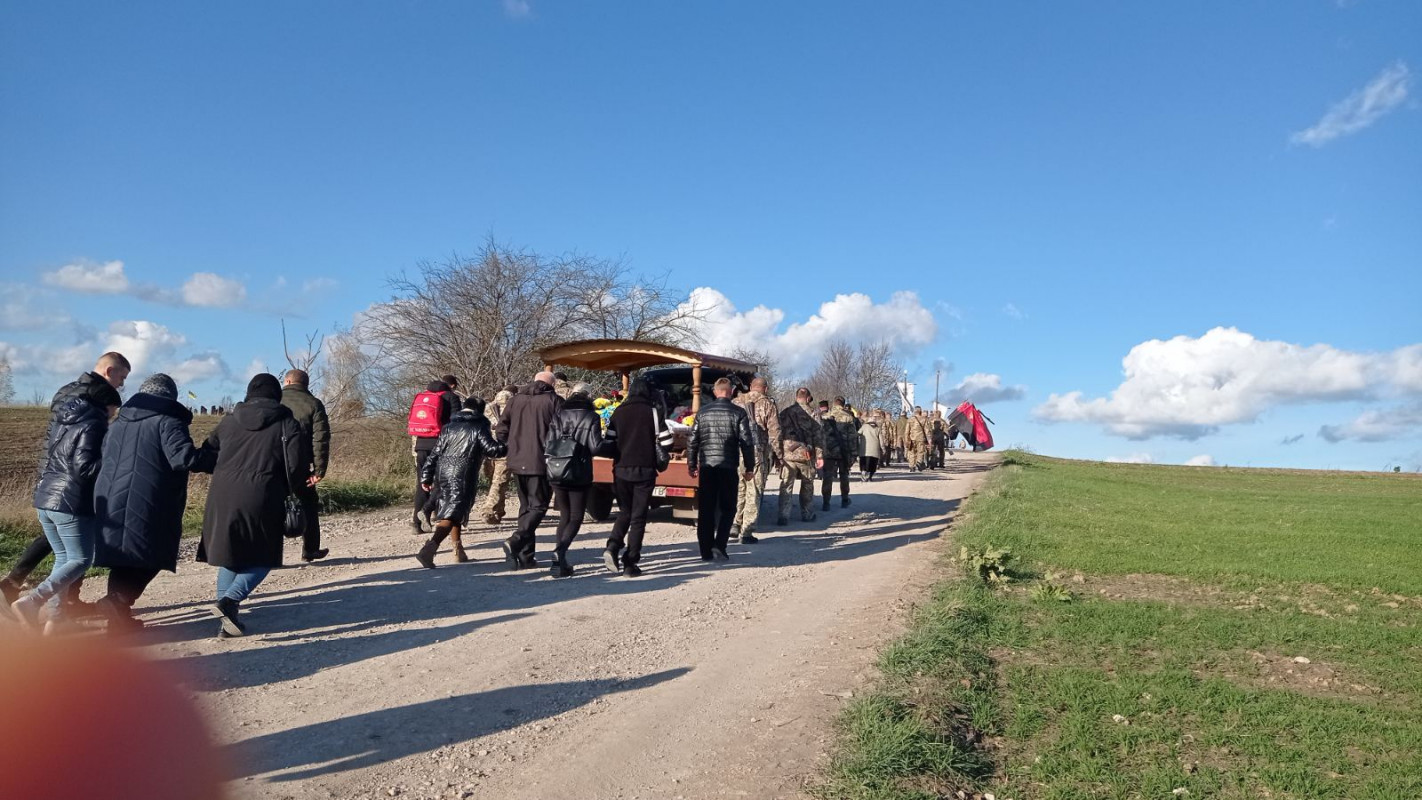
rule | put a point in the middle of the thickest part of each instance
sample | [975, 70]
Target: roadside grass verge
[1207, 633]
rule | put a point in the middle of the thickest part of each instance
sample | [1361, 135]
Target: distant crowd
[113, 478]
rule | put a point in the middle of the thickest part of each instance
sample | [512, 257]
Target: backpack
[425, 415]
[569, 462]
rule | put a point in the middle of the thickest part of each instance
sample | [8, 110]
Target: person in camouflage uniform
[841, 450]
[765, 423]
[901, 436]
[888, 441]
[496, 469]
[916, 439]
[801, 448]
[938, 436]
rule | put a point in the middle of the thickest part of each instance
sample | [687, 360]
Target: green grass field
[1207, 633]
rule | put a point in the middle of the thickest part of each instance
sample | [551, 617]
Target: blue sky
[1057, 184]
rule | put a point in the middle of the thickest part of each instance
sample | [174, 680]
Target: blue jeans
[72, 538]
[237, 584]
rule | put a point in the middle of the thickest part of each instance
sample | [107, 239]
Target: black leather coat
[722, 437]
[463, 443]
[72, 456]
[577, 420]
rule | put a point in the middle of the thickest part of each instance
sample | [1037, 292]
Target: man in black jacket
[100, 386]
[721, 442]
[310, 414]
[524, 428]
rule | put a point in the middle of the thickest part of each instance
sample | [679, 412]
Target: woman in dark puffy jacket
[141, 494]
[261, 455]
[576, 421]
[64, 501]
[452, 468]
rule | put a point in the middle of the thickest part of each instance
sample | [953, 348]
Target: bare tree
[344, 375]
[305, 359]
[484, 318]
[7, 382]
[864, 376]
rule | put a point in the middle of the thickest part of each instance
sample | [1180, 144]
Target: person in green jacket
[310, 414]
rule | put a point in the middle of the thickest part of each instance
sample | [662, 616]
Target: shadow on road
[389, 734]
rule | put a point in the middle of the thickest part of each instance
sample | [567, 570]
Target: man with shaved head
[99, 386]
[524, 428]
[310, 414]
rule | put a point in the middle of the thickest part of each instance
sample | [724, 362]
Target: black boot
[561, 568]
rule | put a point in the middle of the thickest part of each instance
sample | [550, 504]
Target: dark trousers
[571, 503]
[839, 467]
[126, 584]
[716, 507]
[868, 465]
[38, 550]
[533, 495]
[425, 502]
[311, 509]
[938, 454]
[634, 499]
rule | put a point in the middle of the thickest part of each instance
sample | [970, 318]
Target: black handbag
[294, 526]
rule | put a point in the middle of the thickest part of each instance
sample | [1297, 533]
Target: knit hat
[265, 386]
[160, 385]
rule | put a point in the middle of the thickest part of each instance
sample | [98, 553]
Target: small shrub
[989, 564]
[1048, 592]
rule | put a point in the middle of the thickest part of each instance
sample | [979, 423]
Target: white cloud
[981, 388]
[142, 342]
[1202, 460]
[1189, 387]
[902, 322]
[89, 277]
[1362, 108]
[1377, 425]
[319, 285]
[517, 9]
[199, 367]
[254, 367]
[1132, 458]
[25, 308]
[1013, 311]
[209, 290]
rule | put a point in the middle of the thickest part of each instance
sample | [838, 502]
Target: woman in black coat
[261, 454]
[453, 469]
[578, 421]
[141, 494]
[634, 430]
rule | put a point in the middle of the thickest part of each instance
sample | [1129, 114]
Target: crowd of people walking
[113, 478]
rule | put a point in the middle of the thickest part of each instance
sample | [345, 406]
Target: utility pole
[937, 372]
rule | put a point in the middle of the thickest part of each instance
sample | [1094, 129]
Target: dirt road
[368, 677]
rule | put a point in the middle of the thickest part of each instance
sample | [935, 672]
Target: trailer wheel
[600, 503]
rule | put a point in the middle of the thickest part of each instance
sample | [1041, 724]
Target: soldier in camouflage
[765, 424]
[801, 447]
[496, 469]
[916, 440]
[841, 451]
[938, 433]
